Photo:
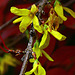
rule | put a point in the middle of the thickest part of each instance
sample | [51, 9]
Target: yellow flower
[37, 69]
[7, 60]
[44, 40]
[38, 51]
[53, 20]
[28, 16]
[46, 37]
[59, 10]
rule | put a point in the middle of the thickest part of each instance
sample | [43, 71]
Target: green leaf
[36, 44]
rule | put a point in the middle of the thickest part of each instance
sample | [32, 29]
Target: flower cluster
[56, 17]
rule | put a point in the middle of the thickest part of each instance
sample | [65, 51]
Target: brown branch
[41, 6]
[27, 50]
[23, 69]
[7, 23]
[17, 39]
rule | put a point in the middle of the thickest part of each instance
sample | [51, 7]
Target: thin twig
[7, 23]
[17, 39]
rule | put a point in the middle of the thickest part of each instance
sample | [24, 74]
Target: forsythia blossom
[59, 10]
[28, 16]
[7, 60]
[46, 37]
[37, 69]
[38, 51]
[53, 20]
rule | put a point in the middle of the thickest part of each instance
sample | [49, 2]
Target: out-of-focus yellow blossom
[28, 16]
[37, 69]
[39, 52]
[6, 61]
[59, 10]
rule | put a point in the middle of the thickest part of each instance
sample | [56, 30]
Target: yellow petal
[35, 62]
[25, 23]
[47, 56]
[18, 20]
[69, 11]
[37, 52]
[9, 56]
[41, 70]
[36, 24]
[45, 40]
[11, 59]
[59, 10]
[31, 71]
[2, 66]
[19, 12]
[35, 72]
[1, 70]
[57, 35]
[34, 9]
[60, 20]
[31, 60]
